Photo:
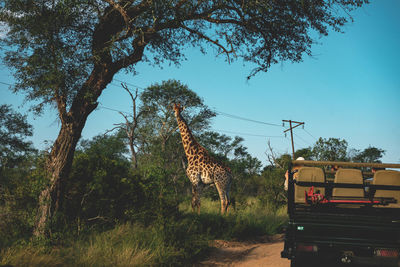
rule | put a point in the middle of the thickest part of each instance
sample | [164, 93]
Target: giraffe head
[178, 109]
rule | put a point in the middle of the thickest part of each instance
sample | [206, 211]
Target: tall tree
[66, 52]
[157, 102]
[331, 149]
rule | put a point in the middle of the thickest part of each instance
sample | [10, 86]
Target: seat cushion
[388, 177]
[348, 176]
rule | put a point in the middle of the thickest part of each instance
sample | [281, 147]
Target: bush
[19, 191]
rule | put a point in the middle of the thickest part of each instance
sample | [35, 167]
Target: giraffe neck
[190, 144]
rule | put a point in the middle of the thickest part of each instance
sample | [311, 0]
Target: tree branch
[98, 217]
[215, 42]
[271, 156]
[136, 56]
[122, 12]
[116, 127]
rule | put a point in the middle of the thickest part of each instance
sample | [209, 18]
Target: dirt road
[266, 252]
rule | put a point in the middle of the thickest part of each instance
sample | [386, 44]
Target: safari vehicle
[348, 216]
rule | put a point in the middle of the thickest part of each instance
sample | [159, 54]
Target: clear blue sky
[349, 89]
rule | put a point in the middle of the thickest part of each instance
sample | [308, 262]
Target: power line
[310, 134]
[302, 139]
[249, 134]
[112, 109]
[246, 119]
[117, 85]
[6, 83]
[139, 87]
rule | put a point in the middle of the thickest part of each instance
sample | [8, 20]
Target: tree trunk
[133, 154]
[60, 160]
[58, 167]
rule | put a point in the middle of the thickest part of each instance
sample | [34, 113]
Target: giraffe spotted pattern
[202, 169]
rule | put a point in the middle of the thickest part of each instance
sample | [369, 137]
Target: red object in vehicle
[389, 253]
[317, 198]
[314, 198]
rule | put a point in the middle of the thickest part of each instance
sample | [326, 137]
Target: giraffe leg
[223, 196]
[227, 191]
[228, 201]
[196, 198]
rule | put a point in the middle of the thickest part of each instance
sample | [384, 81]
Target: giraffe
[202, 169]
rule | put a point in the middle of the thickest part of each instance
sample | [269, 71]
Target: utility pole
[291, 131]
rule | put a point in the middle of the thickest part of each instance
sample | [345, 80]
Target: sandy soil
[265, 252]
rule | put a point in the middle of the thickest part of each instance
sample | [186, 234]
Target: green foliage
[21, 176]
[101, 188]
[223, 145]
[14, 128]
[58, 44]
[52, 47]
[274, 193]
[370, 154]
[159, 116]
[283, 161]
[306, 153]
[331, 149]
[19, 191]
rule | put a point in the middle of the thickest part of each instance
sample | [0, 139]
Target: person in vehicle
[295, 169]
[334, 168]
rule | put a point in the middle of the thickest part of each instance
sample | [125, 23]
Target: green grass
[175, 242]
[125, 245]
[248, 220]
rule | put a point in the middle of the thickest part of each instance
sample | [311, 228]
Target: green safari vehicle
[343, 214]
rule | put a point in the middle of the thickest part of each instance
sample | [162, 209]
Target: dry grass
[30, 256]
[117, 247]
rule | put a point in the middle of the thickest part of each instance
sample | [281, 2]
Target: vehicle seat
[308, 174]
[388, 177]
[348, 176]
